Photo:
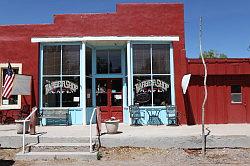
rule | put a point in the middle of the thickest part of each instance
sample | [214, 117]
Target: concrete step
[59, 147]
[56, 155]
[64, 139]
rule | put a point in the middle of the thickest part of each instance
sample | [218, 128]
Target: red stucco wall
[158, 19]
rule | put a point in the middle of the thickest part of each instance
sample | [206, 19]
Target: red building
[114, 60]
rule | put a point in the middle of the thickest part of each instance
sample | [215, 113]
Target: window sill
[236, 103]
[10, 107]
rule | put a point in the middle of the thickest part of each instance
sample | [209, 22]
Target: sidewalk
[224, 135]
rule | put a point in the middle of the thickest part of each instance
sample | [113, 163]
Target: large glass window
[108, 61]
[141, 59]
[61, 76]
[151, 74]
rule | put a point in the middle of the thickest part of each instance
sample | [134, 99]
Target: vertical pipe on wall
[83, 82]
[129, 67]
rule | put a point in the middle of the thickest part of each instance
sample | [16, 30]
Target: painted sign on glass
[145, 89]
[159, 86]
[53, 87]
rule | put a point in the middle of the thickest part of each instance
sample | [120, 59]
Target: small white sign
[76, 99]
[5, 102]
[88, 96]
[118, 97]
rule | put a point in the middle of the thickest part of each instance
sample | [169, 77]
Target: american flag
[8, 82]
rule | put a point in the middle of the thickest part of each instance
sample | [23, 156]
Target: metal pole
[24, 136]
[205, 93]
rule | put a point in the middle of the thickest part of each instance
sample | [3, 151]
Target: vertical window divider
[151, 74]
[61, 78]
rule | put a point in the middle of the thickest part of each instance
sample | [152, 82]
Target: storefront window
[141, 59]
[70, 60]
[151, 74]
[142, 90]
[161, 90]
[51, 60]
[108, 61]
[61, 76]
[161, 59]
[51, 91]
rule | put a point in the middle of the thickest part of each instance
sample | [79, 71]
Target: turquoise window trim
[56, 44]
[171, 74]
[172, 79]
[41, 71]
[90, 46]
[110, 75]
[81, 75]
[150, 42]
[82, 85]
[41, 78]
[109, 47]
[93, 77]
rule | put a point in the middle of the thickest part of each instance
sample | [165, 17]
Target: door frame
[109, 97]
[121, 75]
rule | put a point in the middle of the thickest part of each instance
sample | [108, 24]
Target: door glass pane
[71, 60]
[161, 58]
[161, 90]
[142, 90]
[114, 61]
[51, 91]
[70, 91]
[116, 85]
[51, 60]
[116, 97]
[101, 93]
[102, 61]
[141, 59]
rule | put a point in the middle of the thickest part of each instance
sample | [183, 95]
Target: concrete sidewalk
[225, 135]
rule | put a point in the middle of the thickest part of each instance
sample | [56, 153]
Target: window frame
[5, 66]
[61, 75]
[152, 75]
[241, 95]
[108, 49]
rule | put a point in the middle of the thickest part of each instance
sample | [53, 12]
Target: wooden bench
[55, 114]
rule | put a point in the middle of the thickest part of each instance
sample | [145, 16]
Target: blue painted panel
[75, 116]
[126, 115]
[89, 111]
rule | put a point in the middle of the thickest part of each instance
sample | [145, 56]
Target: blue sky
[226, 27]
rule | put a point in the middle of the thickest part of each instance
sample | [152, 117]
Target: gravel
[144, 156]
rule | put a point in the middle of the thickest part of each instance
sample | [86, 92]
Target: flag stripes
[8, 82]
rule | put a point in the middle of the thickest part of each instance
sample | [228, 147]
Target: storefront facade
[135, 55]
[118, 73]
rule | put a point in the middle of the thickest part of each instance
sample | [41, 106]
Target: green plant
[99, 155]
